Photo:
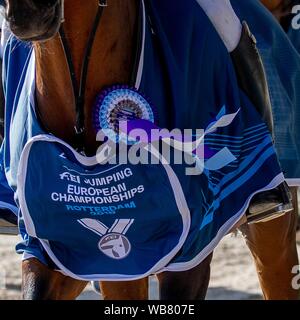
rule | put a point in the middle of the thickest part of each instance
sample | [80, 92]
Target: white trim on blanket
[184, 266]
[21, 177]
[27, 256]
[30, 228]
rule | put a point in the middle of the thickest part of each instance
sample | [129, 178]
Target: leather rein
[80, 89]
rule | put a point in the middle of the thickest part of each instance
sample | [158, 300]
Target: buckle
[103, 3]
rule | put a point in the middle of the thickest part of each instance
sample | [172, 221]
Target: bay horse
[114, 44]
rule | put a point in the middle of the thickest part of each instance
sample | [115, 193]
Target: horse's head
[34, 20]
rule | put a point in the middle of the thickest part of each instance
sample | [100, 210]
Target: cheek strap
[79, 89]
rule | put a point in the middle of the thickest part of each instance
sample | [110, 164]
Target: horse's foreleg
[187, 285]
[127, 290]
[273, 246]
[41, 283]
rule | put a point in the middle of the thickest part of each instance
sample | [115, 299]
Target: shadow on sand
[216, 293]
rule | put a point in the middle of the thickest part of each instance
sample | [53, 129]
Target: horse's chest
[110, 65]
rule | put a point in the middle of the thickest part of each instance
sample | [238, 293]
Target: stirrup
[269, 205]
[8, 223]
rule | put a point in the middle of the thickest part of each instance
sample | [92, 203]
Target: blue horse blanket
[98, 221]
[280, 54]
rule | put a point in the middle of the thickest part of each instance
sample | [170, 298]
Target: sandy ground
[233, 274]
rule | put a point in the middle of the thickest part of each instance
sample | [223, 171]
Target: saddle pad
[100, 220]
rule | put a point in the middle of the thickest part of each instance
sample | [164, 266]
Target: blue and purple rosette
[117, 104]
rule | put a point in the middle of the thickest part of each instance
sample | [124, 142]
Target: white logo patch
[113, 242]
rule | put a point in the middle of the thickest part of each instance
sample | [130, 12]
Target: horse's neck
[111, 62]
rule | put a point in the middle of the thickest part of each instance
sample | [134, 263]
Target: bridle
[79, 90]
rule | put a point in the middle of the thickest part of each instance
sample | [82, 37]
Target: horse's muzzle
[34, 20]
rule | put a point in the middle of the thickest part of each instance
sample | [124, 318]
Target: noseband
[79, 90]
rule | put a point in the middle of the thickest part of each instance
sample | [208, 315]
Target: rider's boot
[266, 205]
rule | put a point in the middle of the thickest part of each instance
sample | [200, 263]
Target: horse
[114, 43]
